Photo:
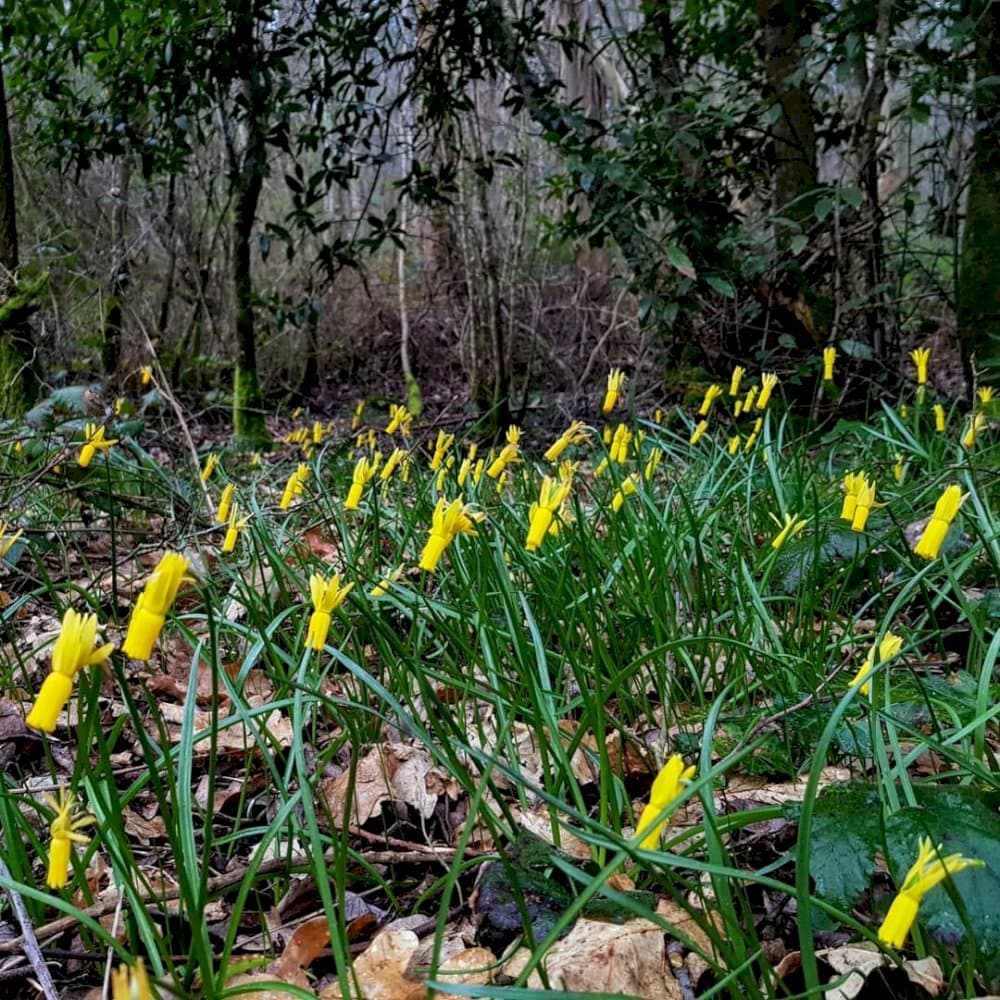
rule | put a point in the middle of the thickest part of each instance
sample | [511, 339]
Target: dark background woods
[281, 199]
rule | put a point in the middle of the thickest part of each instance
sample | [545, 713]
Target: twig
[28, 941]
[217, 884]
[161, 384]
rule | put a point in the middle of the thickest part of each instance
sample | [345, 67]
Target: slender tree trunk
[247, 180]
[875, 88]
[794, 134]
[120, 271]
[18, 376]
[979, 266]
[163, 321]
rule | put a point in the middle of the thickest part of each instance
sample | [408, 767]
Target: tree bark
[794, 134]
[247, 181]
[979, 266]
[876, 86]
[120, 271]
[18, 375]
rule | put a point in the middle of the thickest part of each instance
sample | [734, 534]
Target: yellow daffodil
[467, 467]
[976, 423]
[391, 464]
[734, 444]
[699, 432]
[864, 500]
[443, 443]
[652, 463]
[74, 650]
[768, 382]
[225, 502]
[929, 870]
[712, 393]
[749, 400]
[93, 439]
[131, 983]
[359, 409]
[145, 375]
[627, 488]
[754, 434]
[7, 542]
[616, 381]
[209, 467]
[64, 830]
[933, 536]
[789, 528]
[920, 358]
[508, 453]
[120, 405]
[364, 469]
[150, 611]
[448, 521]
[318, 432]
[898, 468]
[327, 596]
[297, 412]
[449, 463]
[940, 424]
[552, 494]
[852, 483]
[620, 444]
[235, 526]
[734, 381]
[576, 433]
[668, 786]
[385, 584]
[255, 459]
[400, 419]
[829, 359]
[887, 649]
[294, 486]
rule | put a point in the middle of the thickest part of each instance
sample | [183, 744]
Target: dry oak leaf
[394, 772]
[305, 945]
[601, 957]
[473, 966]
[381, 971]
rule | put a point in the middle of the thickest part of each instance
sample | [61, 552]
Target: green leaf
[842, 855]
[856, 349]
[823, 207]
[721, 285]
[680, 260]
[797, 244]
[961, 820]
[852, 196]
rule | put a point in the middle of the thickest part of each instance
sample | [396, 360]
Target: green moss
[414, 402]
[249, 430]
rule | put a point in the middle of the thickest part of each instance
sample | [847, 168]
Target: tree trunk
[18, 376]
[247, 181]
[979, 266]
[120, 270]
[794, 135]
[875, 88]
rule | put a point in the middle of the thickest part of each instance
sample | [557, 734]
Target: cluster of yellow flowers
[754, 402]
[74, 649]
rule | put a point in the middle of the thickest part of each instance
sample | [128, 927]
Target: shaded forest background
[294, 200]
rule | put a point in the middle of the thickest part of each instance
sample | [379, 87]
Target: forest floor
[468, 718]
